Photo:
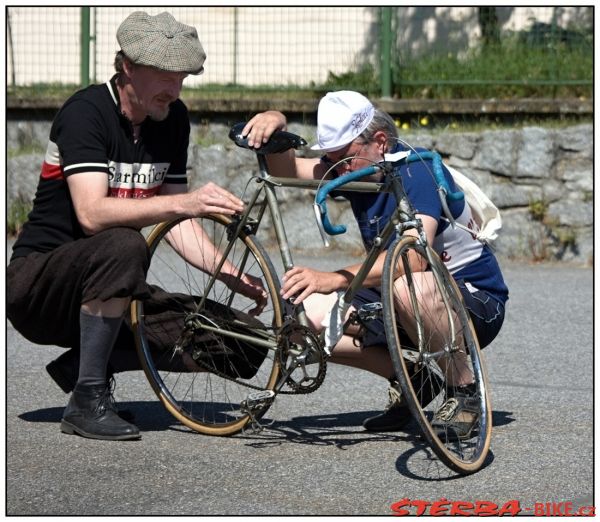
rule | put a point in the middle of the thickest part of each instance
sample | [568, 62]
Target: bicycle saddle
[280, 141]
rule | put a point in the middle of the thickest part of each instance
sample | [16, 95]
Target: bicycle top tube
[316, 184]
[281, 141]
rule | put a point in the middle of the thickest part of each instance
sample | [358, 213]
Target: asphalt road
[316, 459]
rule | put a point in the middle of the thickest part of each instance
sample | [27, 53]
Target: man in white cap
[115, 162]
[353, 134]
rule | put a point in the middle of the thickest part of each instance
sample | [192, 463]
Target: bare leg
[435, 322]
[112, 308]
[375, 359]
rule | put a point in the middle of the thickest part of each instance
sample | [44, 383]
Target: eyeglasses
[346, 162]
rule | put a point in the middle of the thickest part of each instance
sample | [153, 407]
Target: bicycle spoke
[428, 325]
[200, 375]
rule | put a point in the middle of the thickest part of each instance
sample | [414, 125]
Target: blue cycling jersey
[466, 257]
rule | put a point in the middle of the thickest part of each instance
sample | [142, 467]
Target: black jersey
[90, 134]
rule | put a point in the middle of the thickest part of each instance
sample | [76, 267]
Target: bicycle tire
[204, 384]
[418, 366]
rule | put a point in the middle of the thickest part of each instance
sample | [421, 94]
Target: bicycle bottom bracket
[302, 358]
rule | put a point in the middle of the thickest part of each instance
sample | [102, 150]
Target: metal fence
[276, 46]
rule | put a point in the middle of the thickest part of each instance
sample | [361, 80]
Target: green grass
[29, 149]
[17, 215]
[518, 67]
[210, 91]
[511, 70]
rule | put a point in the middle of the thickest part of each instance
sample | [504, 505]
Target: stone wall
[540, 178]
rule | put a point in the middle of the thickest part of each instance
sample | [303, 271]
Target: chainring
[302, 358]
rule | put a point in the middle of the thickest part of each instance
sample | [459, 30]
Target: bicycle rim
[434, 349]
[202, 377]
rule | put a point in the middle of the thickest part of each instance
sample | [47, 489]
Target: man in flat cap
[115, 162]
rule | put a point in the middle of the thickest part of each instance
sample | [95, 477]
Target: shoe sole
[398, 426]
[70, 429]
[386, 428]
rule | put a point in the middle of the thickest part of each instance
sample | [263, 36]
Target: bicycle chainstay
[281, 336]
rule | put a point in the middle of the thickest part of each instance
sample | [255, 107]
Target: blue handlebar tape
[438, 174]
[334, 230]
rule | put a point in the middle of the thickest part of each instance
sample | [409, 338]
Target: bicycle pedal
[257, 400]
[370, 311]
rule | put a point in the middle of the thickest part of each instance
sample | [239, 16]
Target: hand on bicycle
[211, 198]
[251, 287]
[261, 126]
[300, 282]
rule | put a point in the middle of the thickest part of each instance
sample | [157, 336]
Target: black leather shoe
[91, 413]
[64, 371]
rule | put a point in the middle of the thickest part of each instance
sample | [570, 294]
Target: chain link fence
[340, 47]
[245, 46]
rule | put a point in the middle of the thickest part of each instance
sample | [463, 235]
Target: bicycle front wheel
[201, 376]
[436, 355]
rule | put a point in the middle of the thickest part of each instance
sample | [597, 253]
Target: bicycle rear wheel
[434, 350]
[200, 376]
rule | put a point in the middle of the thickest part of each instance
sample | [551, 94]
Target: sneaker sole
[70, 429]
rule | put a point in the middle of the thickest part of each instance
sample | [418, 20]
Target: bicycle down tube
[240, 381]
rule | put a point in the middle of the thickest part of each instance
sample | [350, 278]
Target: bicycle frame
[297, 354]
[402, 220]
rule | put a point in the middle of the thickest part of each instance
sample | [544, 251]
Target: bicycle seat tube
[282, 241]
[407, 219]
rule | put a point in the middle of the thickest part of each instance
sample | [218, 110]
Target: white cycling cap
[341, 117]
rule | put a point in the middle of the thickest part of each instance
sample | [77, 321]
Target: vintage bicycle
[217, 357]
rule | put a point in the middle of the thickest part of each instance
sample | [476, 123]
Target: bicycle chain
[294, 390]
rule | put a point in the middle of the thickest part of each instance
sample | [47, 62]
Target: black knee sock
[98, 336]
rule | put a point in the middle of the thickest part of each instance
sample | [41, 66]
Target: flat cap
[161, 41]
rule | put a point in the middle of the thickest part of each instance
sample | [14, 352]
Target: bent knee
[317, 307]
[124, 241]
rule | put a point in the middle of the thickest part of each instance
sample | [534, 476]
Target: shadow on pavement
[421, 463]
[149, 415]
[340, 430]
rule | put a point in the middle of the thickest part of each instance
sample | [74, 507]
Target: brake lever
[320, 226]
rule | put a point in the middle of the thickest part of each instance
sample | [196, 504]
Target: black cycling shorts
[487, 315]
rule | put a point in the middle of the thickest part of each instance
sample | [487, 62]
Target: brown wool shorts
[45, 291]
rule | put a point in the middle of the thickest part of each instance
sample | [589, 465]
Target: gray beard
[159, 115]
